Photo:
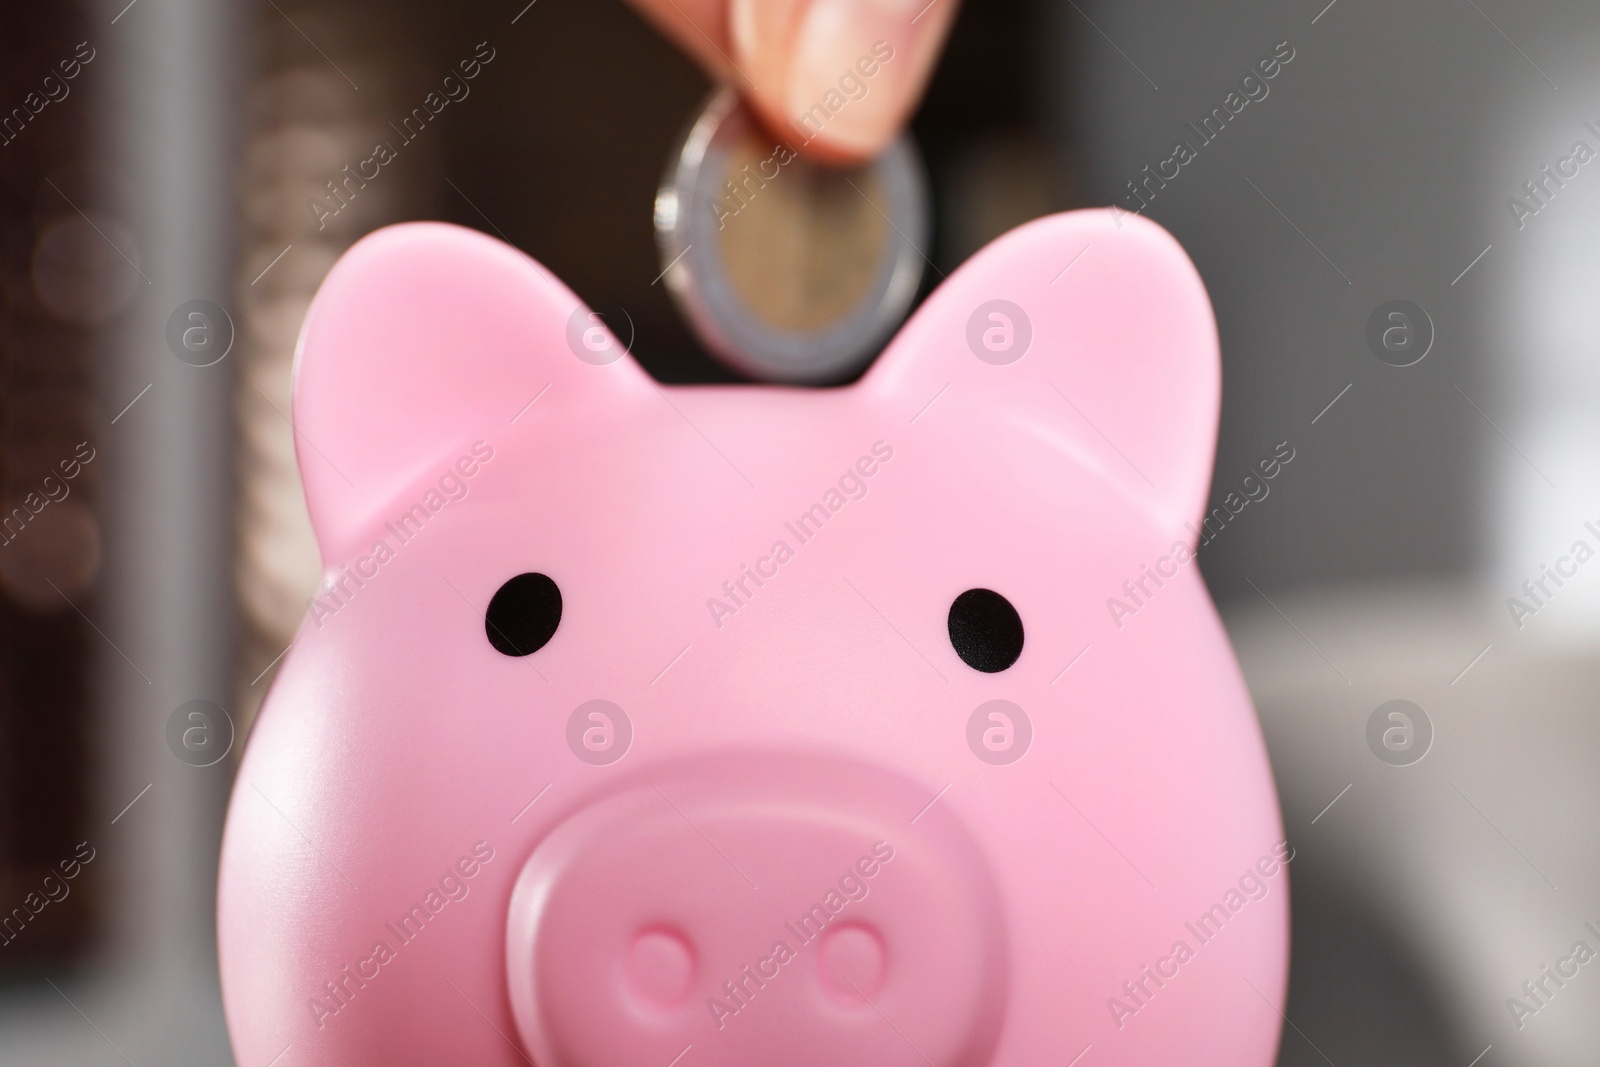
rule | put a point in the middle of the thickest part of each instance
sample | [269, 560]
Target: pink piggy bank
[635, 725]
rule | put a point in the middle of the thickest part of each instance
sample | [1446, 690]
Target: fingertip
[839, 77]
[834, 147]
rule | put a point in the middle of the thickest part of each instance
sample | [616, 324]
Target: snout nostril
[661, 967]
[852, 963]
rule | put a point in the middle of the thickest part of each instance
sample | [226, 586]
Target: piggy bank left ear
[1096, 321]
[423, 339]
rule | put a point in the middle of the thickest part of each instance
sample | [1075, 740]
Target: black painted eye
[523, 615]
[985, 630]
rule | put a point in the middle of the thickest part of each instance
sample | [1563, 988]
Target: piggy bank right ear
[1093, 323]
[423, 339]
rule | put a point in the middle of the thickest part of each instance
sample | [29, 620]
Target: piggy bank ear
[423, 339]
[1095, 321]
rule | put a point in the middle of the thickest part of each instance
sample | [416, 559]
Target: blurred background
[1400, 239]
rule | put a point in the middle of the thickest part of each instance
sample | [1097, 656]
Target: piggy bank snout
[796, 916]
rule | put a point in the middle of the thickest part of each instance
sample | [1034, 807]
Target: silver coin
[788, 270]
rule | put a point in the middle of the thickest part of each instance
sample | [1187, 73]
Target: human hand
[803, 64]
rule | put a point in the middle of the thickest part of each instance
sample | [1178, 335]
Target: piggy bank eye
[523, 615]
[985, 630]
